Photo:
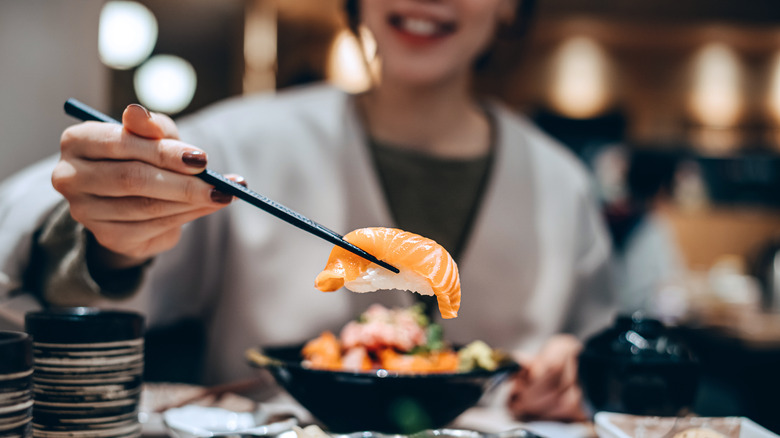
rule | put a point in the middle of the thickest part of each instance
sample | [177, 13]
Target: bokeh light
[347, 68]
[127, 34]
[580, 79]
[165, 83]
[773, 96]
[716, 99]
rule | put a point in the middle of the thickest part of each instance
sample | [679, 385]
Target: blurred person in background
[638, 185]
[126, 225]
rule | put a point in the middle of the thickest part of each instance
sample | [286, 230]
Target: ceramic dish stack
[88, 373]
[16, 369]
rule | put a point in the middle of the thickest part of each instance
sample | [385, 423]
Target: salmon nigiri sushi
[425, 267]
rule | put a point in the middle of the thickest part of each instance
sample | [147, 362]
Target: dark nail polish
[220, 197]
[148, 114]
[194, 159]
[241, 181]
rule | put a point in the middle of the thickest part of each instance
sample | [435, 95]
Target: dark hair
[522, 23]
[352, 10]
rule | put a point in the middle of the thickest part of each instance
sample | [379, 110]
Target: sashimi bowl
[378, 400]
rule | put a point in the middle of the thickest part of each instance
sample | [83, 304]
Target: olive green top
[431, 196]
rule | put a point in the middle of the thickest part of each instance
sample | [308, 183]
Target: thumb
[143, 123]
[524, 358]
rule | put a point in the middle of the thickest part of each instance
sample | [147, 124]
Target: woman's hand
[132, 185]
[546, 388]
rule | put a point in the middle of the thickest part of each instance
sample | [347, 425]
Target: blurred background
[673, 104]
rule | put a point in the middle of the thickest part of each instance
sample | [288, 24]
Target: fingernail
[194, 158]
[220, 197]
[135, 105]
[241, 180]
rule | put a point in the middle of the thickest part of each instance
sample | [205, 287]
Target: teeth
[419, 26]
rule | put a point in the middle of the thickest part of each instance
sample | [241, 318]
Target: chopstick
[84, 112]
[216, 391]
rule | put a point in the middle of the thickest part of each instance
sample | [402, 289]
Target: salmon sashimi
[425, 267]
[323, 352]
[434, 362]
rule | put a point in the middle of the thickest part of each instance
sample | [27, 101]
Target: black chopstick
[84, 112]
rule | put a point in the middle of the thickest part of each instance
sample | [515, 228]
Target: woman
[418, 151]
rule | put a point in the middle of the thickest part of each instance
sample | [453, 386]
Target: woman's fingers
[144, 123]
[143, 239]
[132, 186]
[538, 403]
[140, 227]
[549, 388]
[567, 407]
[124, 209]
[517, 393]
[90, 207]
[564, 404]
[128, 179]
[105, 141]
[556, 364]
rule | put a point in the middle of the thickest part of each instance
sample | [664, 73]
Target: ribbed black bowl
[15, 352]
[83, 325]
[380, 400]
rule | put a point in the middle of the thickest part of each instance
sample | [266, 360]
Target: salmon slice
[425, 267]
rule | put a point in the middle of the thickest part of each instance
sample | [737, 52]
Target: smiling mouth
[421, 27]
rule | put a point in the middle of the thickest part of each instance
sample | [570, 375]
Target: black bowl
[638, 367]
[380, 400]
[16, 352]
[83, 325]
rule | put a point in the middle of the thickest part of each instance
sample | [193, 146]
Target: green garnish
[477, 355]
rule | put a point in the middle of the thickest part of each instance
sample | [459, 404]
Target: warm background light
[260, 42]
[165, 83]
[716, 95]
[127, 34]
[773, 96]
[580, 79]
[347, 67]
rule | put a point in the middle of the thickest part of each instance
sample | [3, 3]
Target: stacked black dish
[16, 369]
[88, 372]
[638, 366]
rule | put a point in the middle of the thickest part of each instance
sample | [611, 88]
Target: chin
[418, 74]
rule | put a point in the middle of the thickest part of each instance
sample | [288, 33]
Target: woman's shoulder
[550, 157]
[267, 112]
[291, 99]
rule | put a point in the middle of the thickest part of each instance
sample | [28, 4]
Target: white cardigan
[536, 263]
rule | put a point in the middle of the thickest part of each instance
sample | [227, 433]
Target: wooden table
[484, 418]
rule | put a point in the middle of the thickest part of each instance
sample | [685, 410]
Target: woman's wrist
[113, 272]
[101, 258]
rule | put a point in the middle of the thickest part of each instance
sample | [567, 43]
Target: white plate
[157, 397]
[194, 421]
[614, 425]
